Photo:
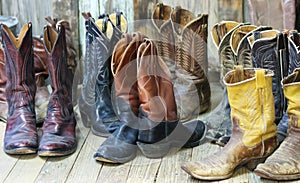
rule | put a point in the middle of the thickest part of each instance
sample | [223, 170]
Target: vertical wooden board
[23, 10]
[114, 173]
[230, 10]
[26, 169]
[170, 170]
[86, 169]
[7, 162]
[143, 169]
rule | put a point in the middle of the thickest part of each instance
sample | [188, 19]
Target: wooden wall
[135, 10]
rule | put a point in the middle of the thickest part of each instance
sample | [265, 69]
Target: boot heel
[156, 150]
[252, 164]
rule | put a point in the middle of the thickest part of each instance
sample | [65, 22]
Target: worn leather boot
[120, 146]
[267, 51]
[58, 131]
[191, 82]
[159, 128]
[20, 133]
[161, 19]
[284, 163]
[254, 131]
[3, 79]
[41, 74]
[106, 119]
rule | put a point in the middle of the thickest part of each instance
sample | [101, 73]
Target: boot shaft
[256, 112]
[291, 86]
[155, 87]
[294, 55]
[19, 67]
[3, 78]
[61, 77]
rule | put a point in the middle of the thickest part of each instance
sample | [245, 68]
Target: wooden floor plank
[143, 169]
[86, 169]
[114, 173]
[7, 162]
[170, 170]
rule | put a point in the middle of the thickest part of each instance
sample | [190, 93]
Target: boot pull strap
[260, 78]
[238, 74]
[256, 35]
[161, 11]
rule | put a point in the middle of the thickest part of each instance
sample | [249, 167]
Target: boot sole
[20, 151]
[48, 153]
[115, 161]
[267, 175]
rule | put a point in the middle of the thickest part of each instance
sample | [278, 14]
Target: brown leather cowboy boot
[58, 137]
[3, 79]
[20, 133]
[159, 127]
[191, 63]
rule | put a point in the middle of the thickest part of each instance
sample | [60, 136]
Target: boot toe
[21, 147]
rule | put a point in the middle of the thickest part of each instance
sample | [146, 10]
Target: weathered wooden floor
[80, 167]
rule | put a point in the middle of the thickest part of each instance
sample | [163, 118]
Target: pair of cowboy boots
[254, 134]
[95, 104]
[58, 131]
[182, 44]
[41, 74]
[145, 104]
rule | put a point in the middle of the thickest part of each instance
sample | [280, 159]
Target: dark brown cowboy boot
[21, 133]
[3, 79]
[41, 74]
[120, 147]
[159, 127]
[58, 137]
[191, 64]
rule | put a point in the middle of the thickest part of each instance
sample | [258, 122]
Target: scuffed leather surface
[20, 132]
[252, 138]
[58, 131]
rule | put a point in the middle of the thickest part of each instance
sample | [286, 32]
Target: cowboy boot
[254, 131]
[107, 121]
[58, 131]
[161, 19]
[218, 120]
[120, 146]
[265, 52]
[284, 164]
[191, 64]
[159, 128]
[294, 58]
[3, 79]
[41, 74]
[20, 133]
